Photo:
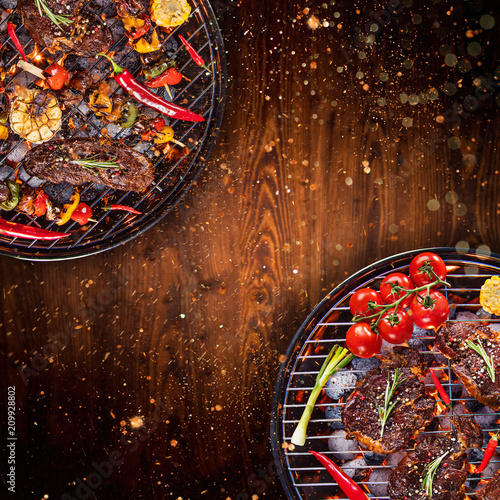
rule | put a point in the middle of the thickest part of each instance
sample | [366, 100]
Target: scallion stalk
[337, 358]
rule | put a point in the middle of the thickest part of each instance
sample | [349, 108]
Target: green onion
[479, 349]
[429, 473]
[337, 358]
[390, 389]
[57, 19]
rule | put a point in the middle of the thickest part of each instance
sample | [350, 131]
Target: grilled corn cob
[168, 13]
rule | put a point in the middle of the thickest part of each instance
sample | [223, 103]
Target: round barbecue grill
[202, 90]
[301, 474]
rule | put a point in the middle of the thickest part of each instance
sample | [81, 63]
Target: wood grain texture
[334, 152]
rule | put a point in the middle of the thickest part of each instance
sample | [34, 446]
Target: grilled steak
[133, 7]
[468, 365]
[60, 160]
[492, 490]
[413, 410]
[85, 36]
[405, 482]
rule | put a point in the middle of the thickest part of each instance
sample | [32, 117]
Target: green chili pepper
[11, 202]
[157, 70]
[131, 112]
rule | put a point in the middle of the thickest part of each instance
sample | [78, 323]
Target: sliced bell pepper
[140, 29]
[12, 201]
[69, 208]
[166, 134]
[157, 70]
[40, 203]
[4, 133]
[130, 114]
[169, 77]
[100, 104]
[143, 46]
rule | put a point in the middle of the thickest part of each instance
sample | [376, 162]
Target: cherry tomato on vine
[429, 311]
[425, 267]
[361, 341]
[389, 288]
[396, 327]
[363, 302]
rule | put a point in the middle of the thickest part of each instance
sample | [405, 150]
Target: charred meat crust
[54, 161]
[405, 482]
[414, 408]
[467, 364]
[492, 490]
[86, 36]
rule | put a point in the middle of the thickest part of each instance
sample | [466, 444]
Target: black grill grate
[201, 91]
[300, 473]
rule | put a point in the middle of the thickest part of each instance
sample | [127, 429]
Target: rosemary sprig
[57, 19]
[390, 389]
[488, 360]
[429, 472]
[92, 165]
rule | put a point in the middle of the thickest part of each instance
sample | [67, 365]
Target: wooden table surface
[352, 131]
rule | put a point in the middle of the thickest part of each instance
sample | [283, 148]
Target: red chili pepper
[192, 52]
[142, 30]
[57, 76]
[145, 96]
[82, 214]
[123, 208]
[40, 203]
[169, 77]
[347, 485]
[11, 29]
[29, 232]
[440, 389]
[488, 453]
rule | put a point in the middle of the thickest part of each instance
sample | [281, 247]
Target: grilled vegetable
[29, 232]
[144, 47]
[35, 115]
[69, 208]
[131, 112]
[347, 485]
[167, 13]
[489, 297]
[57, 76]
[489, 452]
[145, 96]
[82, 214]
[11, 202]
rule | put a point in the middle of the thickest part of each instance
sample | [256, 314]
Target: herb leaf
[429, 472]
[57, 19]
[488, 360]
[390, 389]
[93, 165]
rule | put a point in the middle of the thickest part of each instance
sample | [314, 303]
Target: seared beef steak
[469, 366]
[405, 482]
[414, 408]
[492, 490]
[56, 161]
[86, 36]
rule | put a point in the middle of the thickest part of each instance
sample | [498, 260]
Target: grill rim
[314, 319]
[29, 251]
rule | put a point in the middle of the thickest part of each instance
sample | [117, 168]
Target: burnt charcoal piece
[133, 7]
[469, 366]
[86, 36]
[414, 408]
[492, 490]
[55, 161]
[405, 482]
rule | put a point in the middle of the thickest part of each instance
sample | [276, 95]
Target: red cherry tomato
[390, 292]
[429, 311]
[396, 328]
[82, 214]
[425, 267]
[361, 341]
[58, 78]
[363, 302]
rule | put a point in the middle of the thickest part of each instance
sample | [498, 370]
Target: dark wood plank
[313, 178]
